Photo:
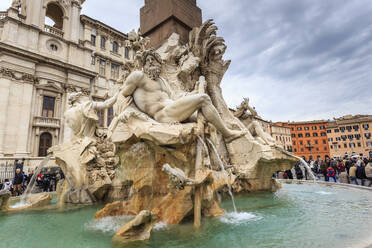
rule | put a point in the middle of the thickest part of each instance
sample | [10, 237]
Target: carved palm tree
[210, 49]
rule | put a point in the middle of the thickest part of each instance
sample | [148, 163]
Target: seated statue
[253, 126]
[153, 96]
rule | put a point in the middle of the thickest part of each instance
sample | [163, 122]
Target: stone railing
[7, 166]
[3, 14]
[53, 30]
[6, 170]
[47, 122]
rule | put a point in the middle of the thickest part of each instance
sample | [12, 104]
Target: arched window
[44, 144]
[115, 47]
[54, 16]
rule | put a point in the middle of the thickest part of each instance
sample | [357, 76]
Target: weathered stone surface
[117, 208]
[175, 206]
[213, 209]
[138, 229]
[4, 199]
[34, 201]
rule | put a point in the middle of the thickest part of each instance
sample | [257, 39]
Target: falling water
[307, 167]
[224, 172]
[31, 185]
[294, 173]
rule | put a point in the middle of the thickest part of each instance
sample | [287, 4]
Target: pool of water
[298, 215]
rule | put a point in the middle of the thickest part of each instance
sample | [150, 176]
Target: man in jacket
[361, 173]
[348, 165]
[352, 174]
[18, 182]
[368, 171]
[323, 170]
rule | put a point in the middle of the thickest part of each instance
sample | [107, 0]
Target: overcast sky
[294, 59]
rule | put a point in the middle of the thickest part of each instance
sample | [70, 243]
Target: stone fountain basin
[33, 201]
[298, 215]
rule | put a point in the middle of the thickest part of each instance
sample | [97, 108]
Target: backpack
[331, 172]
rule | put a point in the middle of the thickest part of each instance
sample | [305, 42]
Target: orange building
[309, 139]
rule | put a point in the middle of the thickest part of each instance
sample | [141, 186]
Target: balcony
[40, 121]
[52, 30]
[3, 14]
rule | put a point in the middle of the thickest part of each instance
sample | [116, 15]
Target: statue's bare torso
[151, 96]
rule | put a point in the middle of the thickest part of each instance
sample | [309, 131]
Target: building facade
[350, 135]
[309, 139]
[282, 136]
[47, 51]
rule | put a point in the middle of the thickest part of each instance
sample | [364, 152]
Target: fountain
[308, 169]
[224, 173]
[162, 161]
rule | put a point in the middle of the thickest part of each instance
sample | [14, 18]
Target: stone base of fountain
[33, 201]
[138, 229]
[4, 199]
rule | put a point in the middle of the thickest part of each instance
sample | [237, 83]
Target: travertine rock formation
[4, 199]
[34, 201]
[137, 229]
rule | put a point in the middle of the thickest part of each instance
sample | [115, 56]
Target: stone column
[24, 121]
[4, 94]
[75, 21]
[34, 9]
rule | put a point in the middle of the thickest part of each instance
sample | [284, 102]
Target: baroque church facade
[47, 51]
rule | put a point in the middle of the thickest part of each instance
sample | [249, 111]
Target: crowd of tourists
[45, 181]
[353, 170]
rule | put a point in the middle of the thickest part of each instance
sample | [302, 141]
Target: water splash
[31, 185]
[237, 218]
[309, 171]
[224, 172]
[160, 226]
[108, 225]
[324, 193]
[18, 205]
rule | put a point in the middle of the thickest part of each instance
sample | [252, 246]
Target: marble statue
[179, 180]
[82, 116]
[253, 126]
[168, 110]
[16, 4]
[89, 159]
[153, 96]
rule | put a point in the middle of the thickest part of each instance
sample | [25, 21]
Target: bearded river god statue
[173, 145]
[153, 96]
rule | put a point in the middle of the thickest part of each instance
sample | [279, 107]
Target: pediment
[51, 86]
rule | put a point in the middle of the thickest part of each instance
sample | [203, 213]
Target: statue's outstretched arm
[253, 112]
[132, 82]
[106, 104]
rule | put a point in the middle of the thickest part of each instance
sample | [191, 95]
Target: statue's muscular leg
[260, 132]
[183, 108]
